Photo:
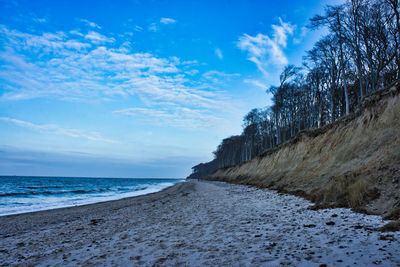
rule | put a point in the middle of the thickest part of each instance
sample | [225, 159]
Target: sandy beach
[198, 224]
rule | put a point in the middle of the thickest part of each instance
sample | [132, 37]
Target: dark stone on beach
[95, 221]
[330, 223]
[309, 225]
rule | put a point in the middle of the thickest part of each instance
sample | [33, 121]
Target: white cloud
[90, 23]
[98, 38]
[75, 32]
[264, 50]
[167, 21]
[281, 32]
[71, 67]
[218, 53]
[54, 129]
[155, 26]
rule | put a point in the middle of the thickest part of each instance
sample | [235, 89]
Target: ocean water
[25, 194]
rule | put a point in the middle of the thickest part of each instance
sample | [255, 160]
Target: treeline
[359, 55]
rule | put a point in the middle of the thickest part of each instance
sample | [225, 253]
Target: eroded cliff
[354, 162]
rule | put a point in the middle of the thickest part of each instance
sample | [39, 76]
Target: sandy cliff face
[354, 162]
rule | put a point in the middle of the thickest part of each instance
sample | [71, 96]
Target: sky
[137, 88]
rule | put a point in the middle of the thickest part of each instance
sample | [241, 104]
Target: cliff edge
[354, 162]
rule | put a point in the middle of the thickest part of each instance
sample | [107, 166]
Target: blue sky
[137, 88]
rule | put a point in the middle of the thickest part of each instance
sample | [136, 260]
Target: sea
[21, 194]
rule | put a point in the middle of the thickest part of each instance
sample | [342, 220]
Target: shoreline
[94, 205]
[197, 223]
[95, 200]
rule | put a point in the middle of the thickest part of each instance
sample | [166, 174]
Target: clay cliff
[354, 162]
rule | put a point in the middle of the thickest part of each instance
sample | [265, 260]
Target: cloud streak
[54, 129]
[218, 53]
[98, 38]
[167, 21]
[90, 23]
[181, 117]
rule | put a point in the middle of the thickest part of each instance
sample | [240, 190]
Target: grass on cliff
[349, 190]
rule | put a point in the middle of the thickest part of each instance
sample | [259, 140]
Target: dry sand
[198, 224]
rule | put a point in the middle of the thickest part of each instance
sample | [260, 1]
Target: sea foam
[28, 194]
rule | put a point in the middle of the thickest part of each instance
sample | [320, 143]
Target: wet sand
[198, 224]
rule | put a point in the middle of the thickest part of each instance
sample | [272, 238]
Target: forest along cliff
[354, 162]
